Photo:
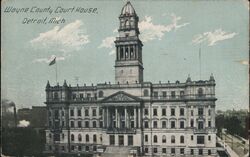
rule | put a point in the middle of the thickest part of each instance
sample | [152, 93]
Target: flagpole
[200, 60]
[56, 72]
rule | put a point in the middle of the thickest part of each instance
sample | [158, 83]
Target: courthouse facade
[132, 116]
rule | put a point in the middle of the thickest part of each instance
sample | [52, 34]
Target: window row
[200, 139]
[86, 124]
[174, 151]
[173, 112]
[76, 148]
[86, 112]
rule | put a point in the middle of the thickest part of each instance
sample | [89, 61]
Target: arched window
[200, 92]
[209, 112]
[79, 137]
[172, 139]
[72, 137]
[126, 23]
[122, 54]
[100, 94]
[164, 140]
[131, 52]
[155, 138]
[87, 138]
[182, 139]
[145, 92]
[126, 52]
[94, 138]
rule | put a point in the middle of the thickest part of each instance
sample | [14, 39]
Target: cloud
[149, 31]
[108, 42]
[65, 39]
[23, 123]
[243, 62]
[48, 60]
[212, 37]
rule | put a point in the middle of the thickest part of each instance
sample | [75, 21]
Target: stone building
[130, 116]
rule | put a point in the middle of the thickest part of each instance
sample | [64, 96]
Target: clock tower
[128, 64]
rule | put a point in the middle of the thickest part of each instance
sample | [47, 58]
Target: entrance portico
[121, 118]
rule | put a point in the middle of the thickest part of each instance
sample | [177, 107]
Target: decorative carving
[120, 97]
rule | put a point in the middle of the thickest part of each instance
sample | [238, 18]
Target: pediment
[121, 97]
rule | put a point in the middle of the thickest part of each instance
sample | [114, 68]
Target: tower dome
[128, 9]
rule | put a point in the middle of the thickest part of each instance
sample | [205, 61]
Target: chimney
[15, 118]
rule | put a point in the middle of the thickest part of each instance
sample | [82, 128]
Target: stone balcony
[121, 131]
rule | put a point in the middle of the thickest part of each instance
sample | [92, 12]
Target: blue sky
[171, 31]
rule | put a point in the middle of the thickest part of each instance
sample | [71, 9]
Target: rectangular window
[130, 140]
[146, 124]
[209, 123]
[71, 112]
[209, 152]
[111, 139]
[164, 124]
[79, 124]
[200, 151]
[172, 124]
[192, 137]
[146, 150]
[200, 140]
[155, 124]
[181, 94]
[172, 150]
[81, 95]
[101, 124]
[155, 112]
[164, 150]
[146, 138]
[74, 96]
[164, 94]
[94, 112]
[79, 112]
[192, 152]
[182, 111]
[63, 124]
[192, 113]
[191, 123]
[209, 138]
[86, 124]
[172, 112]
[56, 114]
[173, 94]
[155, 95]
[100, 111]
[145, 111]
[86, 112]
[72, 124]
[163, 112]
[132, 124]
[182, 124]
[200, 111]
[200, 125]
[182, 150]
[155, 150]
[94, 124]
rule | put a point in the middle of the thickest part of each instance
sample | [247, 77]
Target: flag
[52, 62]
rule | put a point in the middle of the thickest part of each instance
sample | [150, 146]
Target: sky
[172, 33]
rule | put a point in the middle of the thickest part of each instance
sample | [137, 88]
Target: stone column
[107, 117]
[116, 118]
[125, 118]
[139, 117]
[135, 117]
[103, 118]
